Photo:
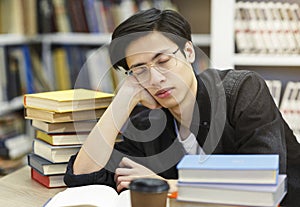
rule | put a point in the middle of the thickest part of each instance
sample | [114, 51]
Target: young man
[165, 111]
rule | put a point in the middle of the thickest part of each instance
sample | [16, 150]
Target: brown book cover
[77, 15]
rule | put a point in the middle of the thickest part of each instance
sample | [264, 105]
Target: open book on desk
[90, 195]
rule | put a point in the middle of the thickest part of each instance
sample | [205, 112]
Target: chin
[171, 103]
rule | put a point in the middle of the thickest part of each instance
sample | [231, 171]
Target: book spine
[28, 70]
[91, 16]
[62, 19]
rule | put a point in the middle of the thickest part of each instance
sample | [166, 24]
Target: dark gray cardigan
[234, 114]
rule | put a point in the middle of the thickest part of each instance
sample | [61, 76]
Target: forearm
[96, 150]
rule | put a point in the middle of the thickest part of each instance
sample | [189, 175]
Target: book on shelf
[61, 69]
[14, 83]
[242, 34]
[238, 168]
[56, 117]
[64, 127]
[289, 107]
[46, 22]
[269, 26]
[50, 181]
[62, 139]
[61, 16]
[234, 194]
[91, 15]
[13, 12]
[30, 18]
[3, 66]
[76, 11]
[90, 195]
[41, 80]
[294, 13]
[15, 146]
[99, 70]
[68, 100]
[16, 62]
[275, 90]
[44, 166]
[53, 153]
[101, 17]
[10, 124]
[255, 30]
[76, 60]
[30, 88]
[284, 10]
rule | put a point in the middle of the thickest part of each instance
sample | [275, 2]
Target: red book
[50, 181]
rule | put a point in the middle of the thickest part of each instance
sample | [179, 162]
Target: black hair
[169, 22]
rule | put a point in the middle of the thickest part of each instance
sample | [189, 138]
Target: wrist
[127, 98]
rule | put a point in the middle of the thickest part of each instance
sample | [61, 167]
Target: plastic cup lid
[149, 185]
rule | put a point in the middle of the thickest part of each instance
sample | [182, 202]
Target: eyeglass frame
[152, 64]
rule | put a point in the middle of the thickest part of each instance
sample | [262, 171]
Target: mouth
[164, 93]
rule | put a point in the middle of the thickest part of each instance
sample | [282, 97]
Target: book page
[123, 199]
[91, 195]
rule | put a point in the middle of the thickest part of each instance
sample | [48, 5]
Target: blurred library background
[45, 45]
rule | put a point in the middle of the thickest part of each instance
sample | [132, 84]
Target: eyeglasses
[163, 63]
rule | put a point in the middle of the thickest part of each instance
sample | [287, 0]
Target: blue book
[242, 169]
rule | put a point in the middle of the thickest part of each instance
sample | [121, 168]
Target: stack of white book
[230, 180]
[267, 27]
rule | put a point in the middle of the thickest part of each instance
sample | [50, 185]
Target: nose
[156, 77]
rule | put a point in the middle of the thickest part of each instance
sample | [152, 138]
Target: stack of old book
[63, 120]
[230, 180]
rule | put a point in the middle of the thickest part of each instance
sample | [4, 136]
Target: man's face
[169, 76]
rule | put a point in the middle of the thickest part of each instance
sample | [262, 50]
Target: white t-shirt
[190, 144]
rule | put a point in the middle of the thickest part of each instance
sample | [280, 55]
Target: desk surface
[18, 189]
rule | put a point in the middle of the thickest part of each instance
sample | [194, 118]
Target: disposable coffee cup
[148, 192]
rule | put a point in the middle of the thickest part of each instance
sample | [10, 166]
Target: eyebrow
[153, 58]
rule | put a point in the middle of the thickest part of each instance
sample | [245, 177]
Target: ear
[189, 51]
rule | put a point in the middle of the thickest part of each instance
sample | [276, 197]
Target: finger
[121, 179]
[122, 185]
[127, 163]
[123, 171]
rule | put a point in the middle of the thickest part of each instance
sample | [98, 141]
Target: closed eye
[163, 59]
[139, 70]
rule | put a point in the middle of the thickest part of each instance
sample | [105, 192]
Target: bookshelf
[223, 54]
[47, 39]
[43, 35]
[282, 65]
